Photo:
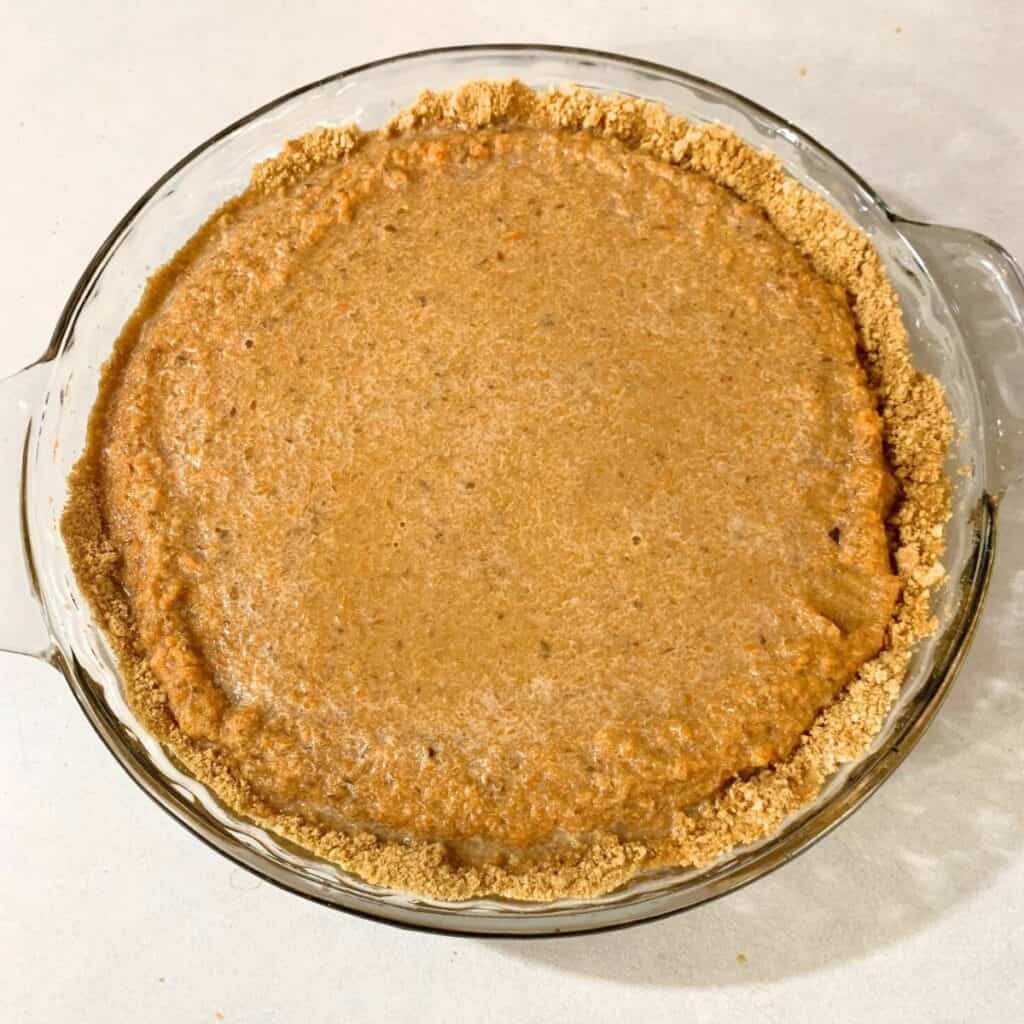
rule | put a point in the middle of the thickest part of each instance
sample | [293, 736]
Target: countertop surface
[911, 911]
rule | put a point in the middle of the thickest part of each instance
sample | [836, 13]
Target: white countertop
[110, 911]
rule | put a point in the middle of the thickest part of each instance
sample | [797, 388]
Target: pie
[529, 494]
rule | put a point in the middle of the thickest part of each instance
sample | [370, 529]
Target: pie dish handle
[984, 287]
[22, 626]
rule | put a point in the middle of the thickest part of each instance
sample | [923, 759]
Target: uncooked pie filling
[495, 487]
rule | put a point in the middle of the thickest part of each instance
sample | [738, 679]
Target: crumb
[803, 72]
[301, 155]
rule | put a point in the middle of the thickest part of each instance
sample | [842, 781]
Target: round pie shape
[484, 500]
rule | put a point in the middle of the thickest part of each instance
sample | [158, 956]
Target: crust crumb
[302, 155]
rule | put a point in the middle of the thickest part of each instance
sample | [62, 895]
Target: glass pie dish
[963, 304]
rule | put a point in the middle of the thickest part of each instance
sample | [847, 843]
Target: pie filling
[499, 491]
